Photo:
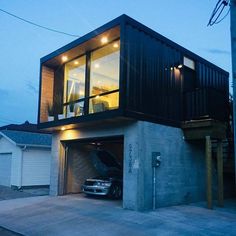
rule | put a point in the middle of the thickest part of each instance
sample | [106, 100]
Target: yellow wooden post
[220, 173]
[208, 173]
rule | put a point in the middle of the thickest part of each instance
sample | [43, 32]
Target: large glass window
[75, 86]
[104, 78]
[103, 91]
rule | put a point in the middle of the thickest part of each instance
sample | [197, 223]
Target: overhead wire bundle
[38, 25]
[217, 12]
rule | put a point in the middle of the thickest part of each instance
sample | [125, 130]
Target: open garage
[95, 160]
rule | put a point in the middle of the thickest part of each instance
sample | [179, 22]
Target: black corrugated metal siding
[155, 84]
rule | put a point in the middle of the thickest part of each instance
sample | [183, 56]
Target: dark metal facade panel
[156, 87]
[153, 81]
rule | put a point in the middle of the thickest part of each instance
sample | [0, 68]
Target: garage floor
[78, 215]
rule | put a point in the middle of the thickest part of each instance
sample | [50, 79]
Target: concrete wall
[180, 178]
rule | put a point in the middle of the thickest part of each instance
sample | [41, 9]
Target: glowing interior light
[76, 62]
[96, 65]
[97, 96]
[64, 58]
[63, 128]
[115, 45]
[104, 40]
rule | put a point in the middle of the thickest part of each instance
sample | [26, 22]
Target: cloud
[218, 51]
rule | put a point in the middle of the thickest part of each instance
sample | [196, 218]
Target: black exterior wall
[159, 91]
[154, 84]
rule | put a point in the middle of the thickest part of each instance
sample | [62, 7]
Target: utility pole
[233, 50]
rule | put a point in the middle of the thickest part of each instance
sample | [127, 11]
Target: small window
[189, 63]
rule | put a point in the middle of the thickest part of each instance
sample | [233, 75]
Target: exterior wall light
[180, 66]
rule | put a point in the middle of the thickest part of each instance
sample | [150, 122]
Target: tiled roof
[28, 138]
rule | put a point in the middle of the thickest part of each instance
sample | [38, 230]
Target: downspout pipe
[23, 148]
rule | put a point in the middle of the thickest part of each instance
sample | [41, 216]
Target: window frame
[87, 96]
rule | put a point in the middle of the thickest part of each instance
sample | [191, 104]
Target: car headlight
[108, 184]
[104, 184]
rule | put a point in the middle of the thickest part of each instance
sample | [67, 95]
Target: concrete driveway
[7, 193]
[78, 215]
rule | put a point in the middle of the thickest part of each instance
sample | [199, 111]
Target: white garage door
[5, 169]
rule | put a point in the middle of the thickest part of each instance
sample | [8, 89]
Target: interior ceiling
[81, 49]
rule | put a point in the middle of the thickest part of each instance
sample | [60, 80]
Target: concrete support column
[137, 170]
[208, 172]
[220, 174]
[57, 153]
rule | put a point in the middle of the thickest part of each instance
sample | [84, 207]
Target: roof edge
[6, 137]
[84, 38]
[33, 145]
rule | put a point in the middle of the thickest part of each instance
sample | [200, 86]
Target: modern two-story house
[152, 103]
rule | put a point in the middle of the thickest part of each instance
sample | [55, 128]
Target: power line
[217, 12]
[217, 22]
[40, 26]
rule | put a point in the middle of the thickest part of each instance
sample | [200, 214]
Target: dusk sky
[22, 45]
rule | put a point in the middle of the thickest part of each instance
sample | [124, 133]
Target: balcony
[205, 114]
[205, 103]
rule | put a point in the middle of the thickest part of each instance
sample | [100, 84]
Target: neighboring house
[24, 158]
[127, 89]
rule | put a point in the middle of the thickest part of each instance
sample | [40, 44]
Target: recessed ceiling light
[115, 45]
[104, 40]
[64, 58]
